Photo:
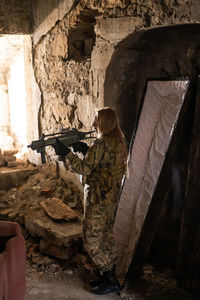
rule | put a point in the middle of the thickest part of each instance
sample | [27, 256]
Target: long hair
[109, 126]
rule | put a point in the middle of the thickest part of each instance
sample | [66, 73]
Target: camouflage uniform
[102, 170]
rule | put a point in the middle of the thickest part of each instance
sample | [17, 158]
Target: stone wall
[72, 57]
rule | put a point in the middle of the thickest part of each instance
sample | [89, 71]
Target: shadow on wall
[42, 9]
[165, 52]
[82, 37]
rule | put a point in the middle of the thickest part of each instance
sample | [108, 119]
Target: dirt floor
[48, 286]
[49, 279]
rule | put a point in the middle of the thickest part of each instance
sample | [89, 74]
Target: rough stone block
[60, 45]
[55, 234]
[57, 210]
[54, 250]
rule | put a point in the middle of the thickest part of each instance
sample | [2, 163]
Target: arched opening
[164, 52]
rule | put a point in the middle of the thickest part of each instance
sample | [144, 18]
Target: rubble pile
[8, 159]
[49, 208]
[55, 268]
[45, 184]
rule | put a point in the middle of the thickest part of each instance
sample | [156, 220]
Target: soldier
[102, 168]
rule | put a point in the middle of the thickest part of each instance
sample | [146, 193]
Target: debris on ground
[158, 283]
[58, 210]
[49, 207]
[49, 210]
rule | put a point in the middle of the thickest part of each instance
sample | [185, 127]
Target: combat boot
[109, 285]
[96, 283]
[99, 279]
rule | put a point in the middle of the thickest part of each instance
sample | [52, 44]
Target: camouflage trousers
[98, 238]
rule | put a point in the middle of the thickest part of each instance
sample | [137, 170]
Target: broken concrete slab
[15, 176]
[55, 234]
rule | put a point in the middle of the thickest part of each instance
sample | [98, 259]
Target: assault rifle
[66, 136]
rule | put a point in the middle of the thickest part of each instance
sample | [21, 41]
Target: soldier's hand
[80, 147]
[60, 148]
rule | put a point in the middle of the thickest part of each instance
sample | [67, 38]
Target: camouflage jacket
[104, 164]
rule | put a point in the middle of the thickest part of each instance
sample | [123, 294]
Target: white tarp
[162, 103]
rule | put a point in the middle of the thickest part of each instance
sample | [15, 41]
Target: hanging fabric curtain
[162, 103]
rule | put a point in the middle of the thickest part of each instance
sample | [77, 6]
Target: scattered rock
[57, 210]
[58, 238]
[6, 211]
[9, 155]
[12, 164]
[54, 250]
[69, 273]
